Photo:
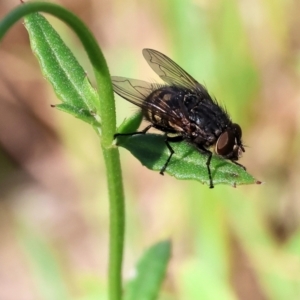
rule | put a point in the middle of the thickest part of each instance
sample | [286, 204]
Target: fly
[182, 107]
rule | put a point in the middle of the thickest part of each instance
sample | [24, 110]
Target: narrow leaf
[186, 163]
[61, 68]
[80, 113]
[150, 273]
[89, 94]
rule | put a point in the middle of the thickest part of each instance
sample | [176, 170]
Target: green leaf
[150, 273]
[186, 163]
[62, 70]
[131, 124]
[89, 95]
[80, 113]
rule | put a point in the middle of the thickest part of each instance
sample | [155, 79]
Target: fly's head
[229, 144]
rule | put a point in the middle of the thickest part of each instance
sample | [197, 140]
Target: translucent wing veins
[169, 71]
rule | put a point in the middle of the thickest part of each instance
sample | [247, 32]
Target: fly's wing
[169, 71]
[134, 91]
[137, 91]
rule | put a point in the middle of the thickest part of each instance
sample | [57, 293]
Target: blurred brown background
[241, 243]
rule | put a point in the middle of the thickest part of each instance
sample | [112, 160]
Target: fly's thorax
[198, 136]
[191, 100]
[206, 112]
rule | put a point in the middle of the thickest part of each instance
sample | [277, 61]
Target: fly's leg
[209, 153]
[239, 165]
[211, 184]
[168, 139]
[134, 133]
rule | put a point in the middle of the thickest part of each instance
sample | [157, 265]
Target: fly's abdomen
[162, 109]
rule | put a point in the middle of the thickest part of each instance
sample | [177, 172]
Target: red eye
[225, 143]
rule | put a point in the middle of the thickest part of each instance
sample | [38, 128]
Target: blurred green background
[228, 243]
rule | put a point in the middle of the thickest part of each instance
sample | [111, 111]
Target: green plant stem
[106, 111]
[117, 221]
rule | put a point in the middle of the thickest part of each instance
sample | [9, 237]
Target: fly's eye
[225, 143]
